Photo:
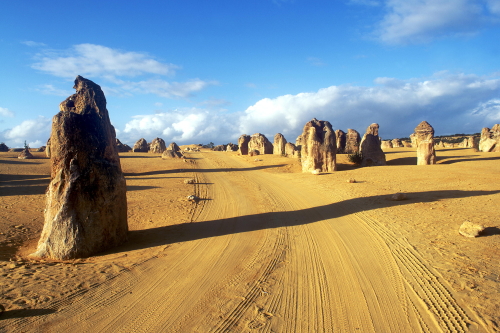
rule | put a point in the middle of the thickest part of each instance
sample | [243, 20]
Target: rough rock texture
[253, 152]
[291, 150]
[341, 141]
[157, 146]
[174, 147]
[86, 207]
[47, 148]
[3, 147]
[469, 229]
[370, 147]
[319, 147]
[41, 149]
[279, 144]
[171, 154]
[231, 147]
[243, 144]
[220, 148]
[121, 147]
[259, 142]
[424, 139]
[396, 143]
[352, 141]
[399, 196]
[386, 144]
[413, 139]
[141, 146]
[490, 139]
[407, 144]
[25, 154]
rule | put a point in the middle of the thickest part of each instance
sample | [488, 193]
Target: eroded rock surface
[279, 144]
[122, 148]
[157, 146]
[490, 139]
[141, 146]
[319, 147]
[86, 206]
[353, 140]
[25, 154]
[243, 144]
[260, 143]
[341, 141]
[291, 150]
[370, 147]
[424, 141]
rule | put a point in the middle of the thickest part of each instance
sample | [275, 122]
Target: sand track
[264, 253]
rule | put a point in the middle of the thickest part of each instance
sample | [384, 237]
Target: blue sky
[199, 71]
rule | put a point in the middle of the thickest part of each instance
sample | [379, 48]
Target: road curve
[266, 252]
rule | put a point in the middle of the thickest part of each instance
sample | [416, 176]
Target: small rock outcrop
[370, 147]
[407, 144]
[386, 144]
[259, 142]
[279, 144]
[47, 148]
[157, 146]
[424, 141]
[353, 140]
[121, 147]
[243, 144]
[469, 229]
[319, 147]
[253, 152]
[396, 143]
[291, 150]
[167, 154]
[231, 147]
[86, 205]
[174, 147]
[141, 146]
[25, 154]
[490, 139]
[3, 147]
[41, 149]
[341, 141]
[220, 148]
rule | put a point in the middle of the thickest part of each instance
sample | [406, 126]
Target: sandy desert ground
[267, 249]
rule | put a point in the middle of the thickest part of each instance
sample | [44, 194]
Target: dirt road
[265, 252]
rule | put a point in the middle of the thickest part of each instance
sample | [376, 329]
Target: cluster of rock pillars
[86, 204]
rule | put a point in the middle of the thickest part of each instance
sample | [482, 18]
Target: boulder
[157, 146]
[386, 144]
[291, 150]
[352, 141]
[174, 147]
[243, 144]
[231, 147]
[171, 154]
[319, 147]
[399, 196]
[341, 141]
[253, 152]
[413, 140]
[86, 200]
[25, 154]
[41, 149]
[220, 148]
[279, 144]
[259, 142]
[396, 143]
[469, 229]
[121, 147]
[3, 147]
[141, 146]
[424, 141]
[490, 139]
[370, 147]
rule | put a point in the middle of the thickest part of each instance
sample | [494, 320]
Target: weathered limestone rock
[86, 207]
[399, 196]
[171, 154]
[220, 148]
[231, 147]
[47, 149]
[469, 229]
[141, 146]
[490, 139]
[259, 142]
[291, 150]
[121, 147]
[174, 147]
[157, 146]
[25, 154]
[396, 143]
[3, 147]
[41, 149]
[319, 147]
[353, 140]
[370, 147]
[253, 152]
[413, 139]
[407, 144]
[341, 141]
[424, 137]
[243, 144]
[386, 144]
[279, 144]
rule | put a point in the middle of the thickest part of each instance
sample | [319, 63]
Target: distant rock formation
[121, 147]
[167, 154]
[386, 144]
[291, 150]
[353, 140]
[413, 140]
[490, 139]
[319, 147]
[396, 143]
[341, 141]
[424, 141]
[157, 146]
[47, 148]
[220, 148]
[407, 144]
[279, 145]
[3, 147]
[86, 207]
[243, 144]
[370, 147]
[174, 147]
[41, 149]
[25, 154]
[259, 142]
[253, 152]
[231, 147]
[141, 146]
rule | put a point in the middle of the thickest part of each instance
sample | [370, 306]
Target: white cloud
[100, 61]
[188, 125]
[447, 101]
[32, 43]
[168, 89]
[490, 110]
[31, 130]
[417, 21]
[4, 112]
[49, 89]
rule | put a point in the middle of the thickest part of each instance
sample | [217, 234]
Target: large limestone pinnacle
[86, 207]
[319, 147]
[424, 140]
